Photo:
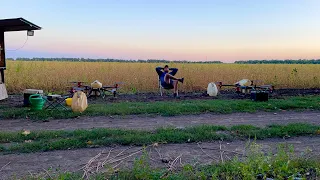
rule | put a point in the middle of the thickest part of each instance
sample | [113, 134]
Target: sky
[195, 30]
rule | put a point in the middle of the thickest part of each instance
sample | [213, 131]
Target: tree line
[112, 60]
[299, 61]
[288, 61]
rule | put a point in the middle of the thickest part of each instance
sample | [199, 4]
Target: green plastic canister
[36, 101]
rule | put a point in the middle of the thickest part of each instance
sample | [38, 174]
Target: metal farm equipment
[242, 88]
[249, 87]
[94, 91]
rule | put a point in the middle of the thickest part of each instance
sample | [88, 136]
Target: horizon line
[118, 59]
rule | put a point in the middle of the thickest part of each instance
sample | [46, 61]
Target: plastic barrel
[26, 101]
[253, 95]
[27, 93]
[259, 96]
[36, 101]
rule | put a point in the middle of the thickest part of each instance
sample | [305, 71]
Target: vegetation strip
[172, 108]
[142, 77]
[26, 142]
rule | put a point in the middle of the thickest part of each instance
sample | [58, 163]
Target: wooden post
[2, 56]
[2, 75]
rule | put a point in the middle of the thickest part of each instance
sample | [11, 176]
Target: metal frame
[88, 90]
[247, 89]
[161, 87]
[102, 91]
[55, 102]
[95, 90]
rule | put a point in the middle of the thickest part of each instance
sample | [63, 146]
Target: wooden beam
[2, 76]
[2, 56]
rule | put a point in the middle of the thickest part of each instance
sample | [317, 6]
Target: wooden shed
[10, 25]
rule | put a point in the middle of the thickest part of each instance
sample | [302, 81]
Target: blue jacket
[161, 73]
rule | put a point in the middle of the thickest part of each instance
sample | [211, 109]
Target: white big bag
[212, 89]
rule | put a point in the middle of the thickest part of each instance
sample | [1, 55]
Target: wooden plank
[17, 24]
[2, 51]
[3, 92]
[2, 57]
[1, 76]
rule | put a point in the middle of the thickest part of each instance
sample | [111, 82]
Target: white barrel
[212, 89]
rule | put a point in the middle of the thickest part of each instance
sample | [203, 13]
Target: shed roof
[17, 24]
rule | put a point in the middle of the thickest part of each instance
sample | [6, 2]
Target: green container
[36, 101]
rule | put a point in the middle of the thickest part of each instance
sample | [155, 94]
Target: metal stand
[96, 91]
[55, 101]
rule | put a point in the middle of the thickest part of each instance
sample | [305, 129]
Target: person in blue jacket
[168, 79]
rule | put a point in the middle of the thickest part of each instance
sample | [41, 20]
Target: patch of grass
[26, 113]
[2, 148]
[244, 128]
[294, 129]
[257, 165]
[283, 165]
[172, 108]
[59, 140]
[55, 140]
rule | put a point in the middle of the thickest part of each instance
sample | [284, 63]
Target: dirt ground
[17, 100]
[148, 123]
[223, 94]
[136, 122]
[160, 155]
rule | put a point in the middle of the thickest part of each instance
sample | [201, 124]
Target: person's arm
[159, 70]
[173, 71]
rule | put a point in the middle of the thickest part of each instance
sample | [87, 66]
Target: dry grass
[141, 77]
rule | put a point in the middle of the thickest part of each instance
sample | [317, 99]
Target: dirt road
[73, 160]
[137, 122]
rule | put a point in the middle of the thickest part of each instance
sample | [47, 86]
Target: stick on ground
[5, 166]
[207, 153]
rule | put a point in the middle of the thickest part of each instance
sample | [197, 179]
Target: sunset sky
[197, 30]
